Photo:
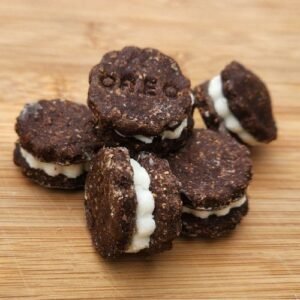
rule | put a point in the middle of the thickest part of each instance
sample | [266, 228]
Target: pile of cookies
[148, 175]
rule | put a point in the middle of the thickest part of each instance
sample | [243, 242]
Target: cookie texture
[168, 206]
[206, 107]
[110, 201]
[139, 91]
[58, 182]
[248, 100]
[213, 226]
[213, 170]
[58, 131]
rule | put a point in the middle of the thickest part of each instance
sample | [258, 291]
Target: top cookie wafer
[238, 100]
[139, 91]
[249, 101]
[214, 169]
[57, 131]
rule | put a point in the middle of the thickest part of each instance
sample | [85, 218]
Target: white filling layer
[176, 133]
[204, 214]
[144, 139]
[145, 224]
[192, 98]
[220, 102]
[167, 134]
[51, 169]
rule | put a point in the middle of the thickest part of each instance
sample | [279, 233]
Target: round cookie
[214, 171]
[57, 139]
[131, 205]
[238, 101]
[142, 100]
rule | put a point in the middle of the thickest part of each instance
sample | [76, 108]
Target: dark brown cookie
[38, 176]
[206, 107]
[56, 140]
[213, 226]
[139, 92]
[214, 171]
[57, 131]
[168, 206]
[111, 202]
[248, 100]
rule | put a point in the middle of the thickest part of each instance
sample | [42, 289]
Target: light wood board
[47, 49]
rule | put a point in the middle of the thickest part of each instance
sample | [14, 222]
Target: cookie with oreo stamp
[142, 100]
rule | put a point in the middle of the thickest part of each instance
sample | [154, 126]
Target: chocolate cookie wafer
[142, 100]
[214, 171]
[238, 101]
[56, 142]
[132, 205]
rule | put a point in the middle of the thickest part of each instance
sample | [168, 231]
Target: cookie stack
[148, 175]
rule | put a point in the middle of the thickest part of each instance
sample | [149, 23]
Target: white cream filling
[52, 169]
[204, 214]
[145, 224]
[220, 102]
[166, 134]
[144, 139]
[176, 133]
[192, 98]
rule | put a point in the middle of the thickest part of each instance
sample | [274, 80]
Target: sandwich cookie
[214, 171]
[142, 100]
[239, 102]
[56, 143]
[131, 205]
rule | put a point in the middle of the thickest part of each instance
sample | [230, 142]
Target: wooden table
[47, 49]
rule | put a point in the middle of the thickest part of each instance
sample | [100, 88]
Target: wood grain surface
[47, 49]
